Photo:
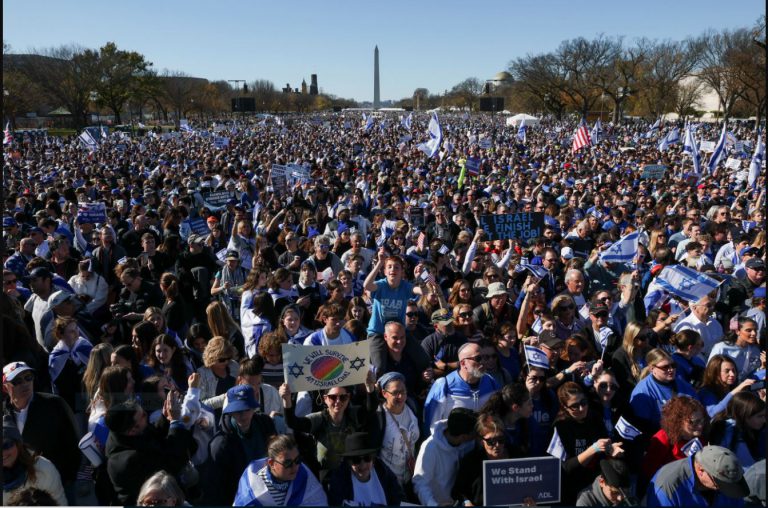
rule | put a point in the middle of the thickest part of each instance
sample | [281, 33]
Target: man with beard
[467, 387]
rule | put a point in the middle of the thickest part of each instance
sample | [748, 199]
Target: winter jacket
[47, 479]
[341, 487]
[675, 485]
[133, 459]
[230, 454]
[452, 391]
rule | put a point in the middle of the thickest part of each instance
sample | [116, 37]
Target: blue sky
[422, 43]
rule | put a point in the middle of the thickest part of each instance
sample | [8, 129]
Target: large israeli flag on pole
[654, 129]
[597, 132]
[622, 251]
[536, 357]
[435, 137]
[690, 146]
[757, 161]
[369, 122]
[718, 153]
[88, 140]
[521, 131]
[671, 138]
[406, 121]
[686, 283]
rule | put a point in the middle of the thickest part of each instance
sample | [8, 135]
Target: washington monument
[376, 96]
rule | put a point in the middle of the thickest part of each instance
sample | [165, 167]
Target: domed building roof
[502, 77]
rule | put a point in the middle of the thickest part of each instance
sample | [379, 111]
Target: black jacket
[51, 430]
[229, 455]
[341, 488]
[133, 459]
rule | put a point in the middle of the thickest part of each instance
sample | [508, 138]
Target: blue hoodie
[452, 391]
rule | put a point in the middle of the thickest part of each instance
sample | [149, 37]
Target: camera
[118, 310]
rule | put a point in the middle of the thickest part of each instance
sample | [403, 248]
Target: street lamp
[623, 93]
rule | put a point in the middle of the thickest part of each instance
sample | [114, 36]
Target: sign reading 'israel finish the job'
[321, 367]
[523, 226]
[510, 481]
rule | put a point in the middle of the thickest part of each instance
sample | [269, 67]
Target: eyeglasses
[411, 314]
[667, 368]
[397, 393]
[491, 276]
[223, 360]
[696, 422]
[465, 315]
[290, 462]
[7, 445]
[360, 459]
[24, 378]
[536, 379]
[578, 405]
[494, 441]
[604, 299]
[569, 306]
[480, 358]
[607, 386]
[168, 501]
[340, 397]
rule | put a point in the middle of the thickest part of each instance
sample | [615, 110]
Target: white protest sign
[707, 146]
[321, 367]
[732, 163]
[220, 142]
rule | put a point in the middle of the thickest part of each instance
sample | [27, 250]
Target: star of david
[687, 284]
[357, 364]
[296, 370]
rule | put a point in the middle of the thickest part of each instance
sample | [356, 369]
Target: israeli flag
[537, 270]
[654, 129]
[690, 147]
[718, 153]
[691, 447]
[686, 283]
[757, 161]
[626, 429]
[87, 139]
[536, 357]
[730, 139]
[431, 147]
[670, 139]
[186, 128]
[368, 122]
[556, 448]
[521, 130]
[407, 121]
[383, 125]
[597, 132]
[622, 251]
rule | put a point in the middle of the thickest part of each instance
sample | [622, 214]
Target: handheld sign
[733, 163]
[473, 165]
[653, 172]
[220, 142]
[416, 215]
[509, 481]
[279, 177]
[198, 226]
[92, 213]
[321, 367]
[524, 225]
[707, 146]
[218, 198]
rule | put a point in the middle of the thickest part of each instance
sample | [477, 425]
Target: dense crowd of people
[142, 351]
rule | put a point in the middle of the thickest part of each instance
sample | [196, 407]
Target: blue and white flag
[88, 140]
[186, 128]
[691, 447]
[730, 139]
[686, 283]
[671, 138]
[407, 121]
[435, 137]
[622, 251]
[626, 429]
[537, 270]
[654, 129]
[521, 131]
[556, 448]
[718, 153]
[368, 122]
[536, 357]
[691, 147]
[383, 125]
[757, 161]
[597, 132]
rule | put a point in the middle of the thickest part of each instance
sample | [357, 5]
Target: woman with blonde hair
[99, 359]
[220, 323]
[219, 372]
[657, 240]
[68, 360]
[658, 384]
[629, 360]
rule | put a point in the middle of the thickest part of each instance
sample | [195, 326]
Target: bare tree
[718, 65]
[467, 92]
[543, 78]
[179, 91]
[583, 63]
[665, 64]
[749, 67]
[689, 94]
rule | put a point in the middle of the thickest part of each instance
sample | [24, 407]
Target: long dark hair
[742, 406]
[177, 369]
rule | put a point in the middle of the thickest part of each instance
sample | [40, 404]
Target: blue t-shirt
[388, 304]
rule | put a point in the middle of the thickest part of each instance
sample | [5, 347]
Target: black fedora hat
[358, 443]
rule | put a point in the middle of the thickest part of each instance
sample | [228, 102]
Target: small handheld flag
[536, 357]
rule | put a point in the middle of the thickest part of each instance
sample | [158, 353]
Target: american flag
[421, 241]
[581, 137]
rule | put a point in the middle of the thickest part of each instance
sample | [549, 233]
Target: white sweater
[48, 479]
[437, 466]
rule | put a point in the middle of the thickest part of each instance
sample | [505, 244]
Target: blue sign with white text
[512, 481]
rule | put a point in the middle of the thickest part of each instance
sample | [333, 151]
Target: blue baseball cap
[240, 398]
[9, 222]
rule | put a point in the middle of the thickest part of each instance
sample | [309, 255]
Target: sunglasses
[341, 397]
[667, 368]
[607, 386]
[465, 315]
[223, 360]
[480, 358]
[494, 441]
[360, 459]
[7, 445]
[578, 405]
[411, 314]
[25, 378]
[601, 315]
[290, 462]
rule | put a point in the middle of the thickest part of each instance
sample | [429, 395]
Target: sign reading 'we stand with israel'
[511, 481]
